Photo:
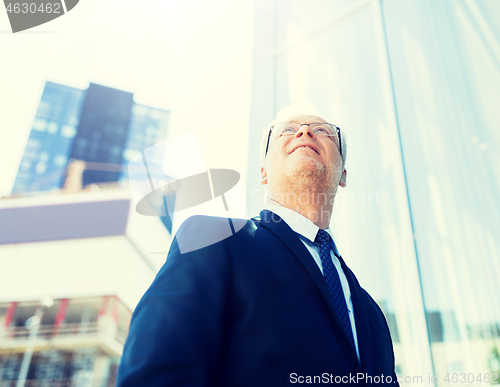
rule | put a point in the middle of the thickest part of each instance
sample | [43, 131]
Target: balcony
[103, 334]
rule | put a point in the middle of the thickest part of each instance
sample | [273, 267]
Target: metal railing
[51, 331]
[67, 382]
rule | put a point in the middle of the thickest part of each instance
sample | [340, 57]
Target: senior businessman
[275, 303]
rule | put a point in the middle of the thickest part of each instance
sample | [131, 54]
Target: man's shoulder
[201, 231]
[372, 308]
[375, 313]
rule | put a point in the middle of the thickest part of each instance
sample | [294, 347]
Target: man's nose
[304, 129]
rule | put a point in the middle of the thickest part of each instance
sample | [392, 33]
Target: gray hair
[296, 109]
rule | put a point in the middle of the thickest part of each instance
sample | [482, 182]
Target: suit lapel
[361, 319]
[278, 227]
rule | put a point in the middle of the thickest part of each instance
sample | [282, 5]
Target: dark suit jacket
[251, 310]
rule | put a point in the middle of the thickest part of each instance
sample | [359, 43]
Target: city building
[100, 125]
[92, 256]
[51, 140]
[411, 85]
[79, 341]
[102, 132]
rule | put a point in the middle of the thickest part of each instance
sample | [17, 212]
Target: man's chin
[306, 166]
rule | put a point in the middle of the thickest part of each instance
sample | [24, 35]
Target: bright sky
[190, 57]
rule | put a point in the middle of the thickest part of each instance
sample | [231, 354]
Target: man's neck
[315, 206]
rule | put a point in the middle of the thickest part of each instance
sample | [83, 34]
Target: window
[139, 110]
[44, 156]
[150, 131]
[53, 127]
[44, 109]
[39, 125]
[73, 120]
[68, 131]
[41, 167]
[60, 160]
[33, 144]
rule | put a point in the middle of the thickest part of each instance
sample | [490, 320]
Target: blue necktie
[333, 281]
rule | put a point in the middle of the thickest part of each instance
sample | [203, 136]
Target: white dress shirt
[307, 231]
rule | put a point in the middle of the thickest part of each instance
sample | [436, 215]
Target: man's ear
[343, 179]
[263, 175]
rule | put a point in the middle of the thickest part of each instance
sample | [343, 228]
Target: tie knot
[322, 237]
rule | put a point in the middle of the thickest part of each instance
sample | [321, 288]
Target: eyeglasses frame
[335, 126]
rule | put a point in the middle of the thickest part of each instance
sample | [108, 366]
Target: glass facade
[100, 125]
[412, 86]
[44, 161]
[148, 126]
[102, 132]
[445, 76]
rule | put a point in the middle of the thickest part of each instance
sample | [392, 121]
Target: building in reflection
[95, 257]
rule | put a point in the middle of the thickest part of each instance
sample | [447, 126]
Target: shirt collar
[300, 224]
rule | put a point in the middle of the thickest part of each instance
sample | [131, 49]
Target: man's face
[304, 154]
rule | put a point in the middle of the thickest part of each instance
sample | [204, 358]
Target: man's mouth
[304, 146]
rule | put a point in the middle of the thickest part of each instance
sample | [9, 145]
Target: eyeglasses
[320, 129]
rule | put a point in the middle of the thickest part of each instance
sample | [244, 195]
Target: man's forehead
[305, 119]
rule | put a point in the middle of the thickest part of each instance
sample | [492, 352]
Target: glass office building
[55, 126]
[101, 125]
[148, 126]
[103, 130]
[414, 87]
